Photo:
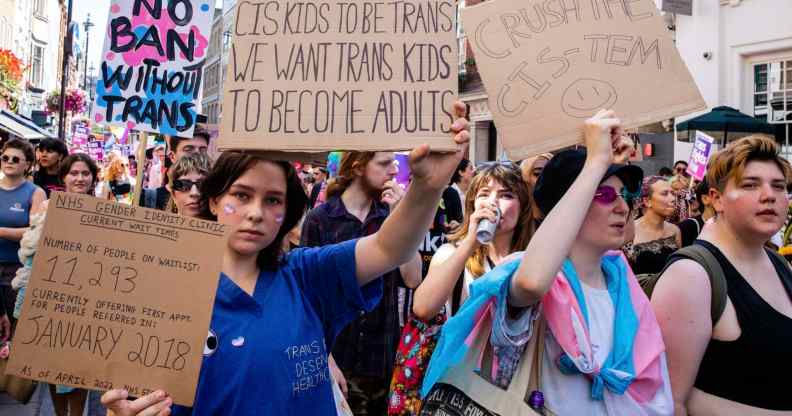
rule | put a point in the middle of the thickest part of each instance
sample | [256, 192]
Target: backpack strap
[703, 256]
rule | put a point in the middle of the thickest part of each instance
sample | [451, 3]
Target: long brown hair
[350, 162]
[229, 167]
[508, 175]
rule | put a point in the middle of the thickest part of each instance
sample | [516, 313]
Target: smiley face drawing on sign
[586, 96]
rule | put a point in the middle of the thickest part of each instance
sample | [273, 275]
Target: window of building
[772, 94]
[39, 8]
[37, 66]
[461, 38]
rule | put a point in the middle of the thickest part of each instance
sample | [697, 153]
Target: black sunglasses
[12, 159]
[185, 185]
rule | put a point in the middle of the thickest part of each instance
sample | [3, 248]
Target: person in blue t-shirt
[275, 315]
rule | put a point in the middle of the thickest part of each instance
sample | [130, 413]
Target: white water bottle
[486, 228]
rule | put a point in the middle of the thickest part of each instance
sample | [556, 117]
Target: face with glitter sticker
[586, 96]
[254, 207]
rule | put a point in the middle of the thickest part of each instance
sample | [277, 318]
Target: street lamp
[87, 25]
[91, 89]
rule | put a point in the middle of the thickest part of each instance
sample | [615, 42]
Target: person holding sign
[603, 352]
[78, 173]
[275, 316]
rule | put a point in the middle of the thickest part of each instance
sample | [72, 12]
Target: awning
[22, 127]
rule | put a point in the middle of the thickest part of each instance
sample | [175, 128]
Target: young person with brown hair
[733, 361]
[274, 312]
[495, 187]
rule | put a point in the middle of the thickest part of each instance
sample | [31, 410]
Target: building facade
[740, 54]
[212, 89]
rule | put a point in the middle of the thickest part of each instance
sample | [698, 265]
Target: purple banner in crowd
[403, 176]
[699, 156]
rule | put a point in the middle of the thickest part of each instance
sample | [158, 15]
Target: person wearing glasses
[603, 353]
[185, 179]
[18, 198]
[680, 167]
[286, 310]
[157, 198]
[655, 237]
[78, 173]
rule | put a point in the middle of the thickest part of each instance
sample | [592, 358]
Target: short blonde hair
[730, 162]
[197, 162]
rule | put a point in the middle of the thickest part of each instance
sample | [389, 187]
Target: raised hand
[435, 169]
[602, 133]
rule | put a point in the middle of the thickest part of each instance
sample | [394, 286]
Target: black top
[453, 205]
[161, 202]
[47, 182]
[650, 256]
[690, 228]
[753, 368]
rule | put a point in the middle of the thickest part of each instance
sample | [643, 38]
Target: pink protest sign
[152, 65]
[699, 156]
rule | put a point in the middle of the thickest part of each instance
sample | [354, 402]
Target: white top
[441, 255]
[571, 394]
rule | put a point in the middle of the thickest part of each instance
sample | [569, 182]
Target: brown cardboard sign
[119, 297]
[548, 65]
[329, 75]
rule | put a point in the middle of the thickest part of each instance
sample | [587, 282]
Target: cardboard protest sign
[699, 155]
[119, 297]
[547, 65]
[329, 75]
[152, 64]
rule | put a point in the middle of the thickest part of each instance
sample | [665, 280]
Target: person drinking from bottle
[603, 350]
[274, 312]
[497, 201]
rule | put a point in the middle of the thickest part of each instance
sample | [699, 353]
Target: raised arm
[551, 243]
[446, 269]
[402, 232]
[411, 272]
[681, 301]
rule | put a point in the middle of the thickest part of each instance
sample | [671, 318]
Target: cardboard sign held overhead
[329, 75]
[547, 65]
[119, 297]
[152, 64]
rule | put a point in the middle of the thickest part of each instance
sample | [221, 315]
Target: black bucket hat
[562, 170]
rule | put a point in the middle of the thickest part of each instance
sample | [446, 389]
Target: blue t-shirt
[15, 207]
[266, 354]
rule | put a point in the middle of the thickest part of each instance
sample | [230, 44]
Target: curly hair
[116, 168]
